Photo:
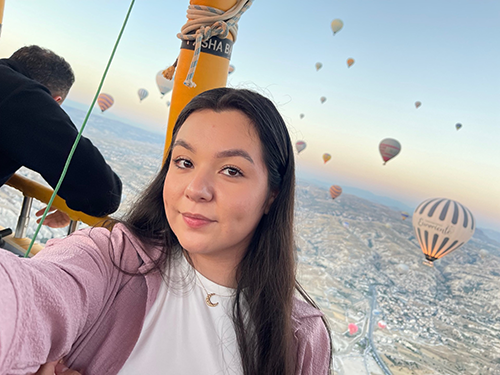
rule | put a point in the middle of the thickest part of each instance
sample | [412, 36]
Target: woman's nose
[200, 187]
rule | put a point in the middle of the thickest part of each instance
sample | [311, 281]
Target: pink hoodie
[71, 301]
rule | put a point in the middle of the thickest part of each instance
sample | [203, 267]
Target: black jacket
[35, 132]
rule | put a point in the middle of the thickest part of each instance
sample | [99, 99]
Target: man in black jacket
[35, 132]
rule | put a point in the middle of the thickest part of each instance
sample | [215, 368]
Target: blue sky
[442, 53]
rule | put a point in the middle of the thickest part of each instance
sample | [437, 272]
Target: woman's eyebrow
[234, 152]
[221, 154]
[184, 144]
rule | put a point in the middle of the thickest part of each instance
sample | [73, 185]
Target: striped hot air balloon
[326, 157]
[143, 93]
[389, 148]
[404, 215]
[105, 101]
[335, 191]
[441, 226]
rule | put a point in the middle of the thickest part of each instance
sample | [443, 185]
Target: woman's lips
[196, 221]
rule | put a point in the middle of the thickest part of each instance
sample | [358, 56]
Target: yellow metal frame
[42, 193]
[211, 73]
[2, 5]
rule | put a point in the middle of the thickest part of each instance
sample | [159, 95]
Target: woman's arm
[48, 301]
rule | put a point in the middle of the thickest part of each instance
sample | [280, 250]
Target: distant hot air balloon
[353, 328]
[105, 101]
[143, 93]
[318, 66]
[417, 104]
[483, 253]
[231, 69]
[382, 324]
[345, 224]
[404, 215]
[300, 146]
[168, 103]
[326, 157]
[458, 126]
[389, 148]
[164, 85]
[335, 191]
[322, 99]
[441, 226]
[301, 116]
[350, 61]
[402, 268]
[336, 25]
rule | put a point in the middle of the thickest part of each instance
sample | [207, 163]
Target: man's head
[47, 68]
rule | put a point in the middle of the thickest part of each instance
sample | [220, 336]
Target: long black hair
[262, 308]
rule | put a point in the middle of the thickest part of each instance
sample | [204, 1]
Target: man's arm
[38, 134]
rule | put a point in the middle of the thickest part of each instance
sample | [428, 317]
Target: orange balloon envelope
[105, 101]
[335, 191]
[350, 62]
[326, 157]
[353, 328]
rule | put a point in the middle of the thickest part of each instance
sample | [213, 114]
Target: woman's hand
[56, 368]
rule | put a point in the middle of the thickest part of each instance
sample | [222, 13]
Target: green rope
[75, 144]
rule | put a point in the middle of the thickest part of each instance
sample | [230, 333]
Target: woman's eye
[232, 172]
[182, 163]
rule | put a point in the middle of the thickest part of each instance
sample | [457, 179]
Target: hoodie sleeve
[312, 341]
[41, 136]
[48, 301]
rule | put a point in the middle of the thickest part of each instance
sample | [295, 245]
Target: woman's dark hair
[266, 275]
[47, 68]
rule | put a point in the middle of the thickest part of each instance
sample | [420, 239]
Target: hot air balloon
[417, 104]
[353, 328]
[404, 215]
[318, 66]
[300, 146]
[231, 69]
[322, 99]
[345, 224]
[402, 268]
[335, 191]
[458, 126]
[301, 116]
[350, 61]
[105, 101]
[143, 93]
[389, 148]
[164, 85]
[326, 157]
[483, 253]
[441, 226]
[168, 103]
[336, 25]
[382, 324]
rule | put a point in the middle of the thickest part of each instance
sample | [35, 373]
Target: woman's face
[216, 188]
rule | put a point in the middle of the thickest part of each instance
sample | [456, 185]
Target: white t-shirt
[182, 335]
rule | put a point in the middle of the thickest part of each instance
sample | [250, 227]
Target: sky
[444, 54]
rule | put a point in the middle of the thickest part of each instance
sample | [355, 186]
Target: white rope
[209, 22]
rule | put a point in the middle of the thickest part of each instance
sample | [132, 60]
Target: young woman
[199, 278]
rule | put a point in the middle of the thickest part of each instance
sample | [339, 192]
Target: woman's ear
[270, 200]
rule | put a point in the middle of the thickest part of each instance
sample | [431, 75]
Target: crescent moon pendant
[209, 302]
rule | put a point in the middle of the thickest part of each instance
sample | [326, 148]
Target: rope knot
[207, 22]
